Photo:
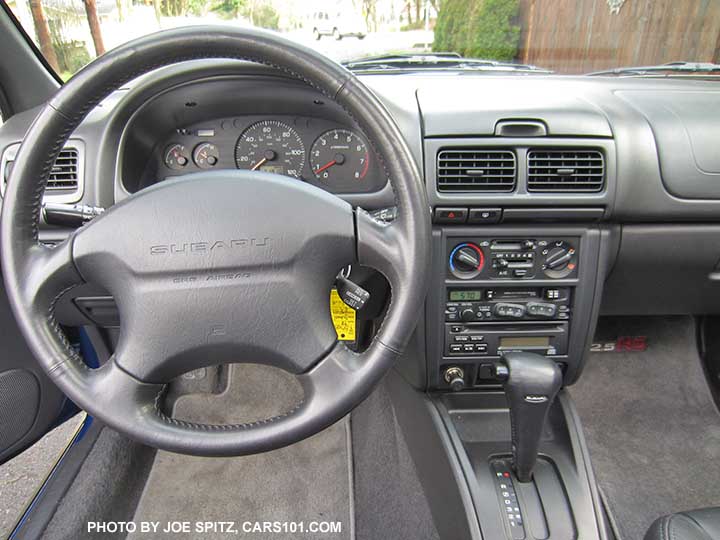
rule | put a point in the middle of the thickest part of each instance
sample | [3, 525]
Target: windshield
[511, 36]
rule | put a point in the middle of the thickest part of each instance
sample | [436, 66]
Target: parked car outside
[338, 25]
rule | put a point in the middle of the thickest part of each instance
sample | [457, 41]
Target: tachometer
[271, 146]
[339, 155]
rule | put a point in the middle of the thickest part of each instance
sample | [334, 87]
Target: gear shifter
[531, 383]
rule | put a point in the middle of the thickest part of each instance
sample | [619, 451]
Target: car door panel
[29, 402]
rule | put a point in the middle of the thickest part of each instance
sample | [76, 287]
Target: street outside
[143, 22]
[375, 43]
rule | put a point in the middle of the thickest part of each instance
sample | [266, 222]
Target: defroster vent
[468, 169]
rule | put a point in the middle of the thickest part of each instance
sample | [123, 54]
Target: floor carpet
[651, 424]
[310, 481]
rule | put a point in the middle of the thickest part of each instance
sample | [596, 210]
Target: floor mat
[281, 490]
[652, 427]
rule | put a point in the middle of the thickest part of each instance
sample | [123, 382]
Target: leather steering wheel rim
[125, 392]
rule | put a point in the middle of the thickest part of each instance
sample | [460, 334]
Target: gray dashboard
[651, 174]
[656, 137]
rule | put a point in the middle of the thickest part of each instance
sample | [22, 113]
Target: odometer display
[339, 158]
[270, 146]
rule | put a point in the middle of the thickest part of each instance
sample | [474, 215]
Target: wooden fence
[578, 36]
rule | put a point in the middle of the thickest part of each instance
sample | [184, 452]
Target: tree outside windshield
[565, 36]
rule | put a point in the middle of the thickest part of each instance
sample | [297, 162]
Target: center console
[512, 306]
[508, 289]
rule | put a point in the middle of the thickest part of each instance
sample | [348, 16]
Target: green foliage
[478, 28]
[492, 34]
[71, 55]
[198, 8]
[415, 25]
[449, 26]
[265, 16]
[228, 9]
[262, 15]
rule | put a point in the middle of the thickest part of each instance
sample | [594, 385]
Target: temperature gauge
[176, 157]
[206, 155]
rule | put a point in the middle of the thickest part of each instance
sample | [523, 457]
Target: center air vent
[64, 174]
[571, 170]
[468, 169]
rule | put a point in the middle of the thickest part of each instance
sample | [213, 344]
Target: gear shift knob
[531, 383]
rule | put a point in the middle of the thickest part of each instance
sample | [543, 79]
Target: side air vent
[65, 183]
[569, 170]
[469, 169]
[64, 174]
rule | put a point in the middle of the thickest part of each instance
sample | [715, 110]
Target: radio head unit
[507, 303]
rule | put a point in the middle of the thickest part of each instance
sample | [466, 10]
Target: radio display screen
[525, 341]
[466, 295]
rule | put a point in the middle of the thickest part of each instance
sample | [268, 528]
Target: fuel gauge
[176, 156]
[206, 155]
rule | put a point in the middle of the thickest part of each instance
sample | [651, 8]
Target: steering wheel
[216, 267]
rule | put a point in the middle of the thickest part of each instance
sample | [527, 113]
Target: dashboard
[554, 199]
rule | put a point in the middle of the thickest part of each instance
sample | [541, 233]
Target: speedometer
[271, 146]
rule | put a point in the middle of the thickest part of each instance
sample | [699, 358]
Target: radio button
[459, 339]
[513, 311]
[552, 294]
[539, 309]
[455, 349]
[456, 328]
[468, 348]
[477, 338]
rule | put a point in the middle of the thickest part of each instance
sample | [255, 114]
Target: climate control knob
[560, 260]
[466, 260]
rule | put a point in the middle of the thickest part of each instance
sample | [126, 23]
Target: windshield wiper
[437, 61]
[670, 68]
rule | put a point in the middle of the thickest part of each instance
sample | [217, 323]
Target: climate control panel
[512, 259]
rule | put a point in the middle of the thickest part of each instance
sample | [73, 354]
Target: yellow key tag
[343, 317]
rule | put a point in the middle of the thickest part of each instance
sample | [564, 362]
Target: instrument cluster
[334, 157]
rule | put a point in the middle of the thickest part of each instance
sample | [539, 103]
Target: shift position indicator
[508, 499]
